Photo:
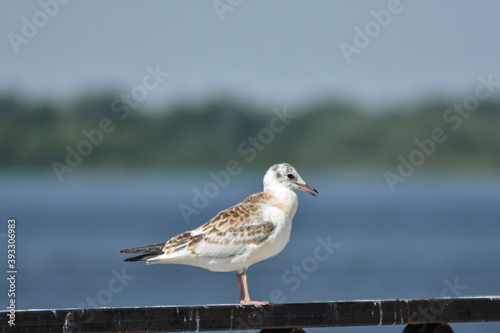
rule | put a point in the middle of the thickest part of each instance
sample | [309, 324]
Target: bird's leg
[240, 286]
[242, 279]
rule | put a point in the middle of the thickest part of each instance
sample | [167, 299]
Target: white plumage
[255, 229]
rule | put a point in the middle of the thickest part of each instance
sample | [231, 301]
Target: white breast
[281, 216]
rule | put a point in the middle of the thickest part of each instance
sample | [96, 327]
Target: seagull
[236, 238]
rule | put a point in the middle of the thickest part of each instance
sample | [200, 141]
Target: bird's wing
[229, 233]
[151, 248]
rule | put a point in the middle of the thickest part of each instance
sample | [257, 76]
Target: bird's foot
[249, 301]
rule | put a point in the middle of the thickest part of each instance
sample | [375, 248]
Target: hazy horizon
[261, 51]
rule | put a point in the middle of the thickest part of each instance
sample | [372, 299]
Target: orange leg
[243, 286]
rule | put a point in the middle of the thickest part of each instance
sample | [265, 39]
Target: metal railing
[419, 315]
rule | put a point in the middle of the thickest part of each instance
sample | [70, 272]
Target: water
[432, 237]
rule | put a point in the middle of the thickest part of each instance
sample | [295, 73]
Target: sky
[375, 52]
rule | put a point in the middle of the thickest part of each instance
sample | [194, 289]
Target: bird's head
[285, 175]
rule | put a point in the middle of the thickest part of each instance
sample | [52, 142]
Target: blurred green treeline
[322, 134]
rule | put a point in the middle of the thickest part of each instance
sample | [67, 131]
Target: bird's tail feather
[142, 257]
[151, 250]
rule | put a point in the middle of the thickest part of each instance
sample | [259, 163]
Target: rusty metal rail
[420, 315]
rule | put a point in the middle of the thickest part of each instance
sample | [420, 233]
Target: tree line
[88, 132]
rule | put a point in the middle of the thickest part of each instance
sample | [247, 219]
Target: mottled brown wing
[229, 233]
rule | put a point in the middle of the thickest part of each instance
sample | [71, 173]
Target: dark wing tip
[141, 257]
[152, 248]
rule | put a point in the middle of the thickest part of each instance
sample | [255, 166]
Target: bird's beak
[307, 188]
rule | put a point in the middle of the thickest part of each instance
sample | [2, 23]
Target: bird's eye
[290, 176]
